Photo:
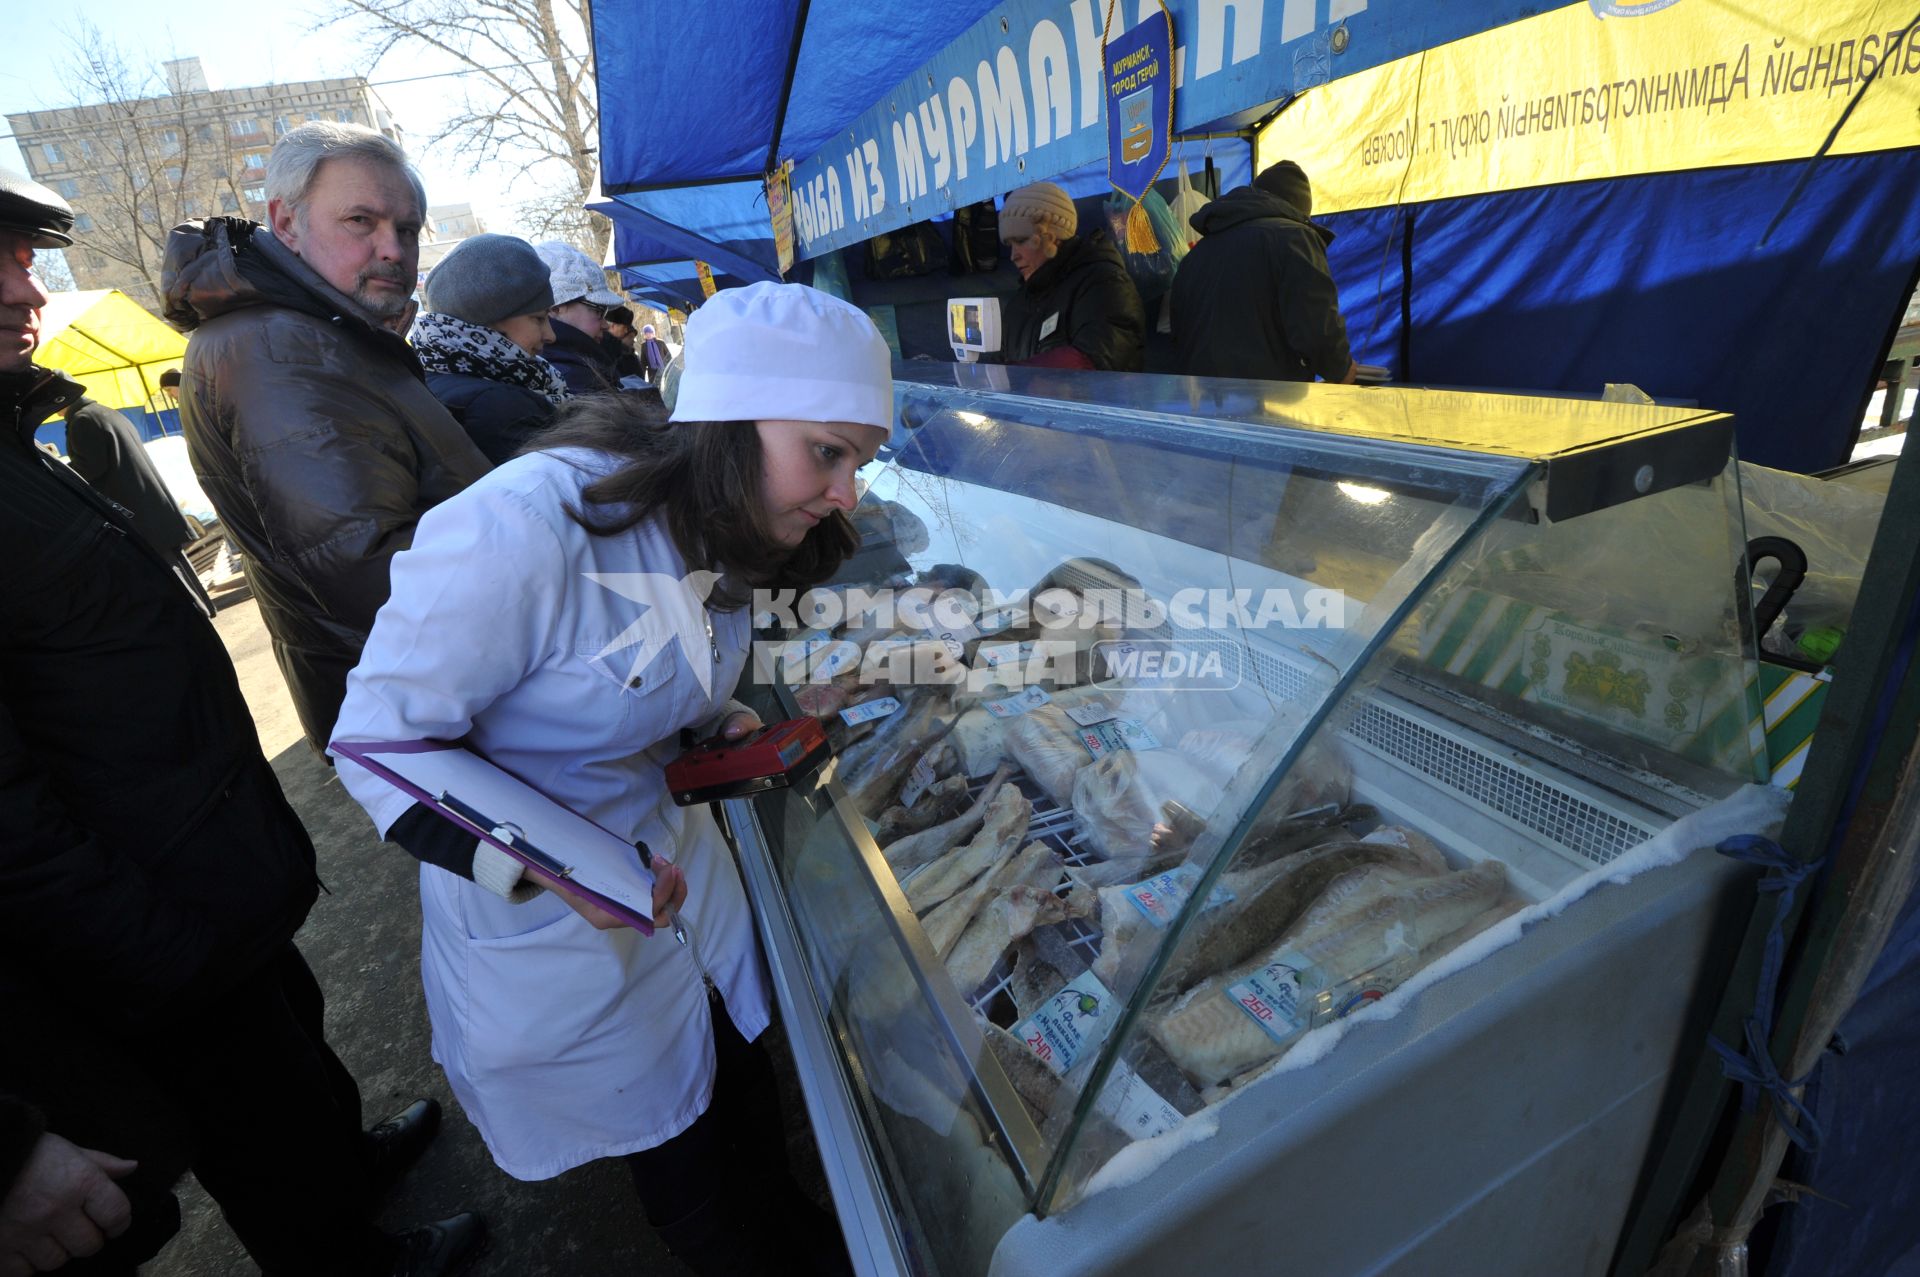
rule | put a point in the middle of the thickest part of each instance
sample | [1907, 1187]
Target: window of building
[68, 188]
[344, 116]
[52, 152]
[94, 261]
[173, 172]
[203, 132]
[170, 139]
[256, 160]
[82, 222]
[256, 194]
[241, 128]
[86, 149]
[228, 204]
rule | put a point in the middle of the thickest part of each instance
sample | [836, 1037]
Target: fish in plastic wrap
[1118, 800]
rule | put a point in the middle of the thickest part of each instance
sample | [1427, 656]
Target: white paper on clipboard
[555, 842]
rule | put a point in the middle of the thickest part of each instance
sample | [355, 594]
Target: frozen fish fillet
[1212, 1039]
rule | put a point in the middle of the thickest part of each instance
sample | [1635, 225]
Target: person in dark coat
[617, 344]
[152, 878]
[581, 300]
[654, 356]
[1254, 298]
[1077, 307]
[481, 338]
[105, 450]
[307, 415]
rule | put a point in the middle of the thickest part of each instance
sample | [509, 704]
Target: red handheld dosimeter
[767, 758]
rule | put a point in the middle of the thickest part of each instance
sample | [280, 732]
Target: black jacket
[315, 437]
[623, 361]
[1084, 298]
[106, 451]
[582, 364]
[149, 859]
[500, 416]
[1254, 297]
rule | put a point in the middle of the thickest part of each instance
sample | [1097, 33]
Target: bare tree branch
[529, 101]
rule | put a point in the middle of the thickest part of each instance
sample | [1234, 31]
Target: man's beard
[382, 303]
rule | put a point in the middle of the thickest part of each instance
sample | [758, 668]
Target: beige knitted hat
[1041, 204]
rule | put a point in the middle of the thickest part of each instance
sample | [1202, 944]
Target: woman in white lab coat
[542, 618]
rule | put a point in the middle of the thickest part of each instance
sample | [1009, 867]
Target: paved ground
[363, 941]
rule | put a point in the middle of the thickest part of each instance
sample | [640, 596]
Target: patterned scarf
[446, 344]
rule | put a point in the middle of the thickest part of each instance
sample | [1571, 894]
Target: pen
[646, 862]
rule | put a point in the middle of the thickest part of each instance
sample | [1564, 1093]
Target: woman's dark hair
[704, 478]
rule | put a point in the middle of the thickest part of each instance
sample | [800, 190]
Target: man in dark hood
[1254, 298]
[157, 1014]
[307, 415]
[1077, 307]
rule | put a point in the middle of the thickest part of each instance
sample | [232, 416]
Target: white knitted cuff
[504, 876]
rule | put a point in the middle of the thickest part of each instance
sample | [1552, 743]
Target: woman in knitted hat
[1077, 307]
[480, 342]
[567, 617]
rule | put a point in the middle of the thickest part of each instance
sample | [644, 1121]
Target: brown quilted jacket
[314, 435]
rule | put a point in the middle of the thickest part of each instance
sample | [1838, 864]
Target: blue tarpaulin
[748, 83]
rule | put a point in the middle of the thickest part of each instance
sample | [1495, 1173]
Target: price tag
[839, 657]
[1003, 653]
[869, 711]
[919, 781]
[1134, 1106]
[1161, 897]
[1274, 996]
[1090, 713]
[1019, 703]
[1068, 1024]
[1117, 734]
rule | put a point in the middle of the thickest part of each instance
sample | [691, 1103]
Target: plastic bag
[1186, 202]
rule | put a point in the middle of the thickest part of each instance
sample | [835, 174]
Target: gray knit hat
[490, 278]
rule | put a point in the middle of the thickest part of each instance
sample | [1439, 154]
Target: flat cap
[30, 209]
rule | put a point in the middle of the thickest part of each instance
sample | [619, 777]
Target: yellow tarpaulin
[1568, 97]
[111, 345]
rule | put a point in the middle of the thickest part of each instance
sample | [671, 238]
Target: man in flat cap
[155, 1015]
[1255, 298]
[306, 412]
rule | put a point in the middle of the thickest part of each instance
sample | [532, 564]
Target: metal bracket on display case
[1596, 478]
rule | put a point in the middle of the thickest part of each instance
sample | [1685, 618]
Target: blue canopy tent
[777, 80]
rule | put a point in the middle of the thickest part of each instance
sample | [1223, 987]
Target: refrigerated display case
[1260, 821]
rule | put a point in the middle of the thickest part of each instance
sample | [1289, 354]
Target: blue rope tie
[1754, 1068]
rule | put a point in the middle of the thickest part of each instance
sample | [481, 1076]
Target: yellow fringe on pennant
[1140, 237]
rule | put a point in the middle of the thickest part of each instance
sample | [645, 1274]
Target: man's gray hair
[298, 155]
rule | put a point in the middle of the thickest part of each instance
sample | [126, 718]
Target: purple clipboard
[556, 844]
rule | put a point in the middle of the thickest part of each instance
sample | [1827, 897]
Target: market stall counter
[1269, 827]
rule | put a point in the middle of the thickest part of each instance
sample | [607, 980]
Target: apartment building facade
[134, 169]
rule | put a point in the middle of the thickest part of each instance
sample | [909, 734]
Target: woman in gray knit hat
[480, 342]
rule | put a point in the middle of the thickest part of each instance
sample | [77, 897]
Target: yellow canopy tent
[110, 344]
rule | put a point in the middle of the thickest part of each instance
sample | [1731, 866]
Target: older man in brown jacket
[306, 413]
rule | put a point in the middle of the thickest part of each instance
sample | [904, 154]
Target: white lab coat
[564, 1044]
